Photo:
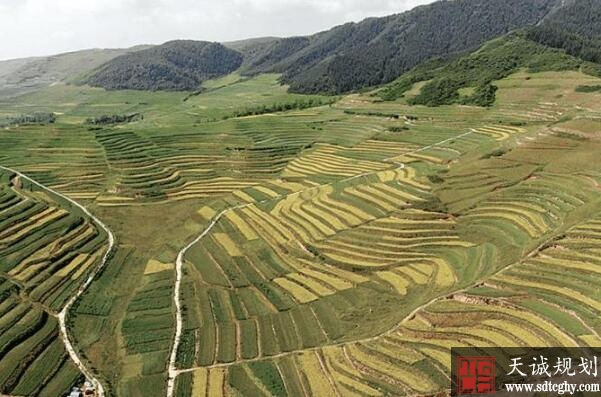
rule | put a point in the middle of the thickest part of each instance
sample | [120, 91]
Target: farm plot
[522, 306]
[179, 166]
[492, 197]
[392, 241]
[542, 98]
[324, 160]
[134, 160]
[531, 209]
[546, 300]
[499, 133]
[33, 359]
[267, 278]
[412, 360]
[316, 286]
[147, 326]
[65, 158]
[46, 249]
[562, 275]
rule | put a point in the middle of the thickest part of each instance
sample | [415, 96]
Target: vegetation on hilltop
[574, 44]
[494, 61]
[588, 88]
[576, 28]
[569, 38]
[177, 65]
[251, 48]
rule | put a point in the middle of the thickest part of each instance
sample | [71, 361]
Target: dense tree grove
[176, 65]
[576, 29]
[581, 17]
[574, 44]
[569, 38]
[282, 107]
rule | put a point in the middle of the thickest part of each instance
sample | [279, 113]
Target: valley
[319, 241]
[325, 215]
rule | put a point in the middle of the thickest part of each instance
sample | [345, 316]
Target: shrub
[588, 88]
[35, 118]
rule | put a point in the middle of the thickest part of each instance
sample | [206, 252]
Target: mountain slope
[251, 48]
[582, 17]
[377, 50]
[175, 65]
[476, 72]
[24, 75]
[575, 28]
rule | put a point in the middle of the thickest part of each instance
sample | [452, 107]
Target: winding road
[63, 314]
[179, 265]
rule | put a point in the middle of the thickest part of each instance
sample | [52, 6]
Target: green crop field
[343, 245]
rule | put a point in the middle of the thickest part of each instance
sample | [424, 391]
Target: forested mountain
[575, 28]
[378, 50]
[353, 56]
[175, 65]
[581, 17]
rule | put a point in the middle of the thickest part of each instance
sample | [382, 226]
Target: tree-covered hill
[175, 65]
[477, 71]
[568, 38]
[378, 50]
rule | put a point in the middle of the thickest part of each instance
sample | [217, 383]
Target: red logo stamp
[475, 375]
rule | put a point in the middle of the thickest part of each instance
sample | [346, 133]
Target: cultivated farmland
[47, 249]
[343, 249]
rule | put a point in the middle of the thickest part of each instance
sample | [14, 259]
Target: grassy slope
[26, 75]
[76, 103]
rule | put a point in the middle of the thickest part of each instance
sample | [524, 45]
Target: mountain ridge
[377, 50]
[346, 58]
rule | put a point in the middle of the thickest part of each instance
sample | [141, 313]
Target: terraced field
[34, 360]
[337, 250]
[48, 250]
